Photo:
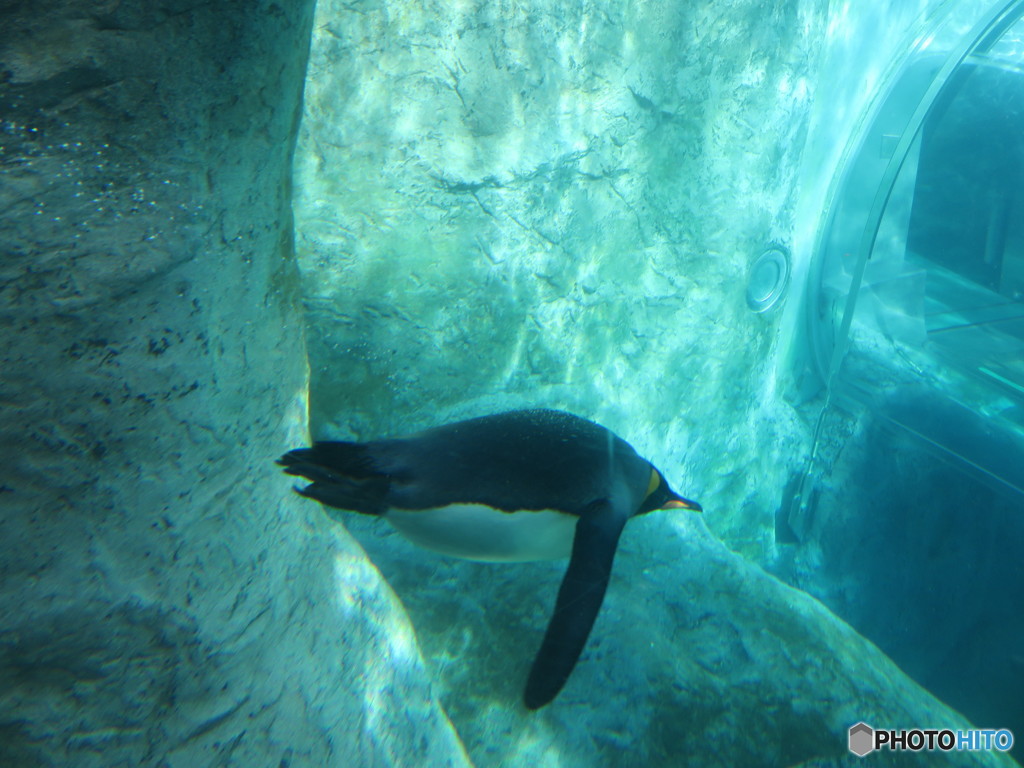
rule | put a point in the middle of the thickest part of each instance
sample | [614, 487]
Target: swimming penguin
[515, 486]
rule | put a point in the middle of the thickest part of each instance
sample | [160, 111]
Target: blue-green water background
[561, 208]
[211, 252]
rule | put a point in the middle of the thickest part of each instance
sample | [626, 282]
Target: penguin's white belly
[479, 532]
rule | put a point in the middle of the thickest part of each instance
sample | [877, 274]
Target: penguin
[510, 487]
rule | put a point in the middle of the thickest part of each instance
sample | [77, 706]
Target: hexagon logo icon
[862, 739]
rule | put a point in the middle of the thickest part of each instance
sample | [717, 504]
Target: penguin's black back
[529, 460]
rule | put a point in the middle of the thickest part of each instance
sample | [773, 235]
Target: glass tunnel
[913, 326]
[920, 256]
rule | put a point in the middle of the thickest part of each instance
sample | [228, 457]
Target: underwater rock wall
[698, 658]
[164, 599]
[501, 204]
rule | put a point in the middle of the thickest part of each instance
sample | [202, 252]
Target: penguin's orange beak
[681, 503]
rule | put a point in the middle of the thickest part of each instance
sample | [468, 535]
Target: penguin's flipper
[579, 600]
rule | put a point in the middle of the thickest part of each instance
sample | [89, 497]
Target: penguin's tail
[342, 474]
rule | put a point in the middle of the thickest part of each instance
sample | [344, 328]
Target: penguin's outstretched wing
[579, 600]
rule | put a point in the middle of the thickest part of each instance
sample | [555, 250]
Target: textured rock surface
[504, 203]
[163, 600]
[699, 658]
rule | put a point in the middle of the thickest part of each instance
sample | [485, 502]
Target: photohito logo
[864, 739]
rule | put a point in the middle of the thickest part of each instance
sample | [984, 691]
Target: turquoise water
[778, 248]
[596, 211]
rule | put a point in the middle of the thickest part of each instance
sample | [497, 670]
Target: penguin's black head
[660, 496]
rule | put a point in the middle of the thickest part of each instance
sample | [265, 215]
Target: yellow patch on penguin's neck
[653, 484]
